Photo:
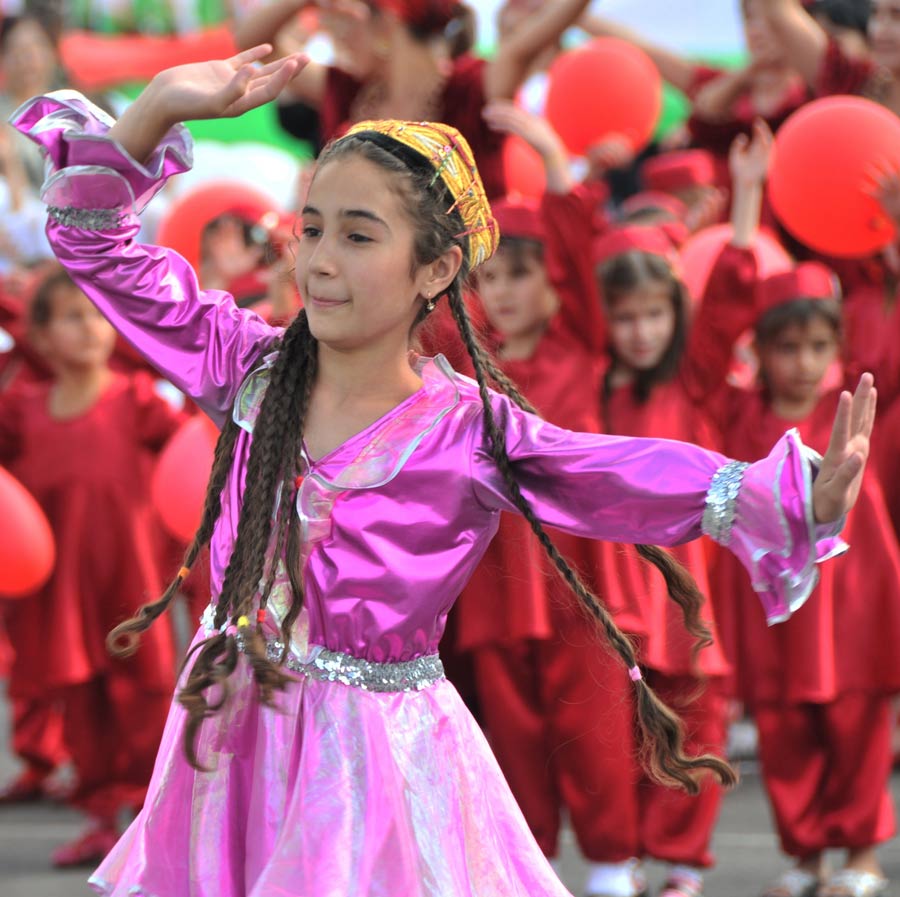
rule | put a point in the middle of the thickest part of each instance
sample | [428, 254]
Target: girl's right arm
[102, 176]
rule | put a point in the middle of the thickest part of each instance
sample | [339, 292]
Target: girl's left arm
[620, 489]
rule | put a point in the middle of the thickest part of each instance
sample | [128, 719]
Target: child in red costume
[83, 446]
[819, 686]
[634, 819]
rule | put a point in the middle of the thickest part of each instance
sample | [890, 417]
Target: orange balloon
[607, 87]
[27, 547]
[825, 154]
[524, 168]
[178, 486]
[700, 251]
[184, 221]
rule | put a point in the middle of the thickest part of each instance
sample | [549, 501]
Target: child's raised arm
[568, 220]
[103, 174]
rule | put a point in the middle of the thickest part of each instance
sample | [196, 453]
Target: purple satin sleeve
[198, 339]
[664, 492]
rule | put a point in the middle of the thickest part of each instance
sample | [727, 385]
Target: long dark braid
[662, 729]
[271, 467]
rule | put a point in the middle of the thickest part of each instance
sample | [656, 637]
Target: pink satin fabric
[346, 792]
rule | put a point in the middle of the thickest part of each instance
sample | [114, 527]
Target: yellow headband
[449, 154]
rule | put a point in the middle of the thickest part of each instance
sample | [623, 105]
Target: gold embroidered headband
[443, 149]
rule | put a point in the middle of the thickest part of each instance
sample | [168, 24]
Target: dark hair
[519, 251]
[853, 14]
[272, 465]
[40, 310]
[800, 312]
[628, 271]
[49, 24]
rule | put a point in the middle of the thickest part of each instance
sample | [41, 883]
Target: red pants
[112, 728]
[560, 717]
[826, 769]
[37, 733]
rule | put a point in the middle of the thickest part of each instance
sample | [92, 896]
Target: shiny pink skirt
[341, 792]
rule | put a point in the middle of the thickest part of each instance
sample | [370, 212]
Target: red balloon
[184, 221]
[178, 487]
[606, 87]
[27, 547]
[524, 168]
[824, 159]
[700, 251]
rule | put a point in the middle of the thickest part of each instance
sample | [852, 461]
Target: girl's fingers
[840, 431]
[860, 407]
[254, 54]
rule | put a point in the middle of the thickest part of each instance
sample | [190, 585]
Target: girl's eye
[310, 231]
[359, 238]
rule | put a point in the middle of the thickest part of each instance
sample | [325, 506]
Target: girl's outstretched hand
[839, 479]
[223, 88]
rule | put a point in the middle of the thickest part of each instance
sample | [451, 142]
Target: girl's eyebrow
[351, 213]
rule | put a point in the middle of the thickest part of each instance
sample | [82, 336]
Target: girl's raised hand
[749, 159]
[223, 88]
[840, 476]
[507, 118]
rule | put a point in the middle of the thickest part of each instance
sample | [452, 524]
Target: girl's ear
[435, 277]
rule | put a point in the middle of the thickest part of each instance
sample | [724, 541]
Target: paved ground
[747, 851]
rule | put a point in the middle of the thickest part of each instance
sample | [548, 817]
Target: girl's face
[884, 33]
[516, 293]
[794, 362]
[762, 42]
[642, 325]
[355, 258]
[77, 335]
[29, 59]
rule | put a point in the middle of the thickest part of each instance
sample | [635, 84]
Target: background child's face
[794, 362]
[762, 42]
[77, 335]
[884, 33]
[642, 325]
[517, 296]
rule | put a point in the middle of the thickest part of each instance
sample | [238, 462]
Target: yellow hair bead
[242, 622]
[450, 155]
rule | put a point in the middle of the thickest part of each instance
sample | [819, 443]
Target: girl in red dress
[819, 686]
[652, 387]
[83, 445]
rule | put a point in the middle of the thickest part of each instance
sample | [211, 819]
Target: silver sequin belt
[334, 666]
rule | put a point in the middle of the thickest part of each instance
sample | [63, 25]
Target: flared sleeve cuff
[763, 513]
[92, 182]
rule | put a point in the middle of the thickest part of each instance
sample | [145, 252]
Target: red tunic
[460, 105]
[90, 475]
[841, 73]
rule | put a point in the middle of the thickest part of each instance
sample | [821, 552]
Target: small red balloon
[182, 227]
[27, 547]
[825, 157]
[700, 251]
[524, 168]
[607, 87]
[178, 487]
